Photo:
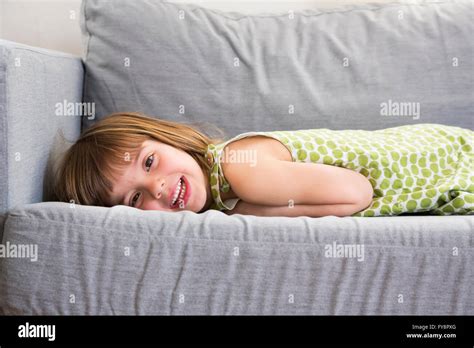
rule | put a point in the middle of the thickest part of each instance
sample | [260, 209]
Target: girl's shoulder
[265, 145]
[247, 149]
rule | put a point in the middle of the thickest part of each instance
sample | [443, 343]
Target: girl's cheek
[151, 206]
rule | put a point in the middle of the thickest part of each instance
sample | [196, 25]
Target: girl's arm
[344, 209]
[272, 182]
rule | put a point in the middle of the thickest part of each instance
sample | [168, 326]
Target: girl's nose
[158, 189]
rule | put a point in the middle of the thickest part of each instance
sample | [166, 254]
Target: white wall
[54, 24]
[50, 24]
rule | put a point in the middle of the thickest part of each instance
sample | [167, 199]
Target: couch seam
[59, 54]
[86, 55]
[300, 12]
[92, 227]
[5, 56]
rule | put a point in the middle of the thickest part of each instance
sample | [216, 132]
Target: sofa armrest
[35, 84]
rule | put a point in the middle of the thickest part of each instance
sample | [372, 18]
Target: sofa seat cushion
[121, 260]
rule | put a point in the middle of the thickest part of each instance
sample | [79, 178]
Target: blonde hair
[87, 169]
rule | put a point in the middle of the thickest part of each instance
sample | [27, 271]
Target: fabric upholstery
[317, 68]
[32, 82]
[122, 260]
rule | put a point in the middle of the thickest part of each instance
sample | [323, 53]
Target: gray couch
[120, 260]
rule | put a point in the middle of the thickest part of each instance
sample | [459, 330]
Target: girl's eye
[148, 164]
[134, 200]
[149, 160]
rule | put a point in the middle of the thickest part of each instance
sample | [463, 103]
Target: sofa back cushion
[366, 66]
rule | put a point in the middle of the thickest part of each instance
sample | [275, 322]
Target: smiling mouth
[181, 194]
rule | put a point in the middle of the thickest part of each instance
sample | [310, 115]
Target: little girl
[152, 164]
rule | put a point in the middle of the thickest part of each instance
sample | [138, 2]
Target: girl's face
[150, 181]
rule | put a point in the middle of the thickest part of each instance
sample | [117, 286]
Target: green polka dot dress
[422, 168]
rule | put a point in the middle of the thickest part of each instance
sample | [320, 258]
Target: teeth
[176, 192]
[183, 191]
[181, 195]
